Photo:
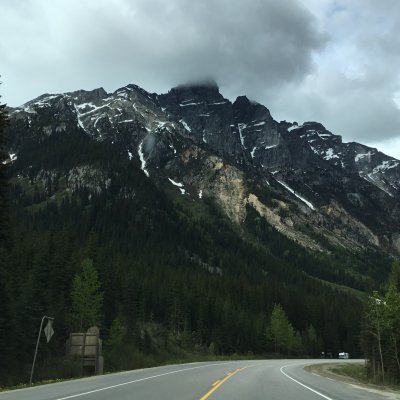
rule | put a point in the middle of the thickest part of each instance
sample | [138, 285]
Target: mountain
[199, 215]
[236, 153]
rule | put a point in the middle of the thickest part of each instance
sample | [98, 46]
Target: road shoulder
[325, 370]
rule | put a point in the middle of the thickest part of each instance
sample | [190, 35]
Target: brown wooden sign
[86, 346]
[83, 344]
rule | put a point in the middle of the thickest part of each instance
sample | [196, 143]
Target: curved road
[241, 380]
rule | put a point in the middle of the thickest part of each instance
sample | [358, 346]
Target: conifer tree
[376, 325]
[392, 313]
[114, 345]
[381, 330]
[281, 331]
[311, 341]
[3, 178]
[5, 295]
[87, 298]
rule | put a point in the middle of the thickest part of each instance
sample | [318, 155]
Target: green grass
[358, 372]
[355, 371]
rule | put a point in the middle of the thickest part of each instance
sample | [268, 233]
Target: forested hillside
[223, 265]
[173, 270]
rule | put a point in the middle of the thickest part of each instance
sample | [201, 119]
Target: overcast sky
[332, 61]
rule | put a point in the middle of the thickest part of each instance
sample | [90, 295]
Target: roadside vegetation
[381, 331]
[357, 372]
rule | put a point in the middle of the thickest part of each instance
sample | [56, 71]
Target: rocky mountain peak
[86, 96]
[171, 135]
[135, 93]
[309, 125]
[242, 101]
[196, 92]
[246, 111]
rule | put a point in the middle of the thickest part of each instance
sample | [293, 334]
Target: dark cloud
[159, 43]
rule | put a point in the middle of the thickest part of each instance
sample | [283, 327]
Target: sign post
[49, 333]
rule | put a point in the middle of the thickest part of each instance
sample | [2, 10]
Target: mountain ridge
[203, 142]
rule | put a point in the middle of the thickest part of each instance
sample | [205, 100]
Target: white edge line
[301, 384]
[137, 380]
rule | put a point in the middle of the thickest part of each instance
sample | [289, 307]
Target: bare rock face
[194, 142]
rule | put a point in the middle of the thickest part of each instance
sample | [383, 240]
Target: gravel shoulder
[325, 370]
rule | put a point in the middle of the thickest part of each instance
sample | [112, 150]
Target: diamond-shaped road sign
[48, 330]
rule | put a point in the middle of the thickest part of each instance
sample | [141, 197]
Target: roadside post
[49, 332]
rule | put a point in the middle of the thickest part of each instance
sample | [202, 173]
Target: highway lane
[244, 380]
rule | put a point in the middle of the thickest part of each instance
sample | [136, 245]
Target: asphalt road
[241, 380]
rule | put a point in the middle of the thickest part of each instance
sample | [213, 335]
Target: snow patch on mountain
[11, 157]
[142, 159]
[189, 104]
[324, 136]
[172, 147]
[306, 202]
[218, 103]
[329, 154]
[178, 184]
[376, 181]
[388, 164]
[293, 127]
[185, 125]
[241, 127]
[79, 120]
[360, 156]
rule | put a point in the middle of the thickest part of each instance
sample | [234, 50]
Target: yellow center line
[217, 384]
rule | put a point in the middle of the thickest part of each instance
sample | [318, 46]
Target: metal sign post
[49, 333]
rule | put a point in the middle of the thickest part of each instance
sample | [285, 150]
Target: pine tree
[5, 295]
[394, 277]
[87, 298]
[392, 312]
[115, 344]
[281, 331]
[3, 178]
[376, 325]
[311, 341]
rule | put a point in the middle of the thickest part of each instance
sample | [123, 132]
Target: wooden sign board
[83, 344]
